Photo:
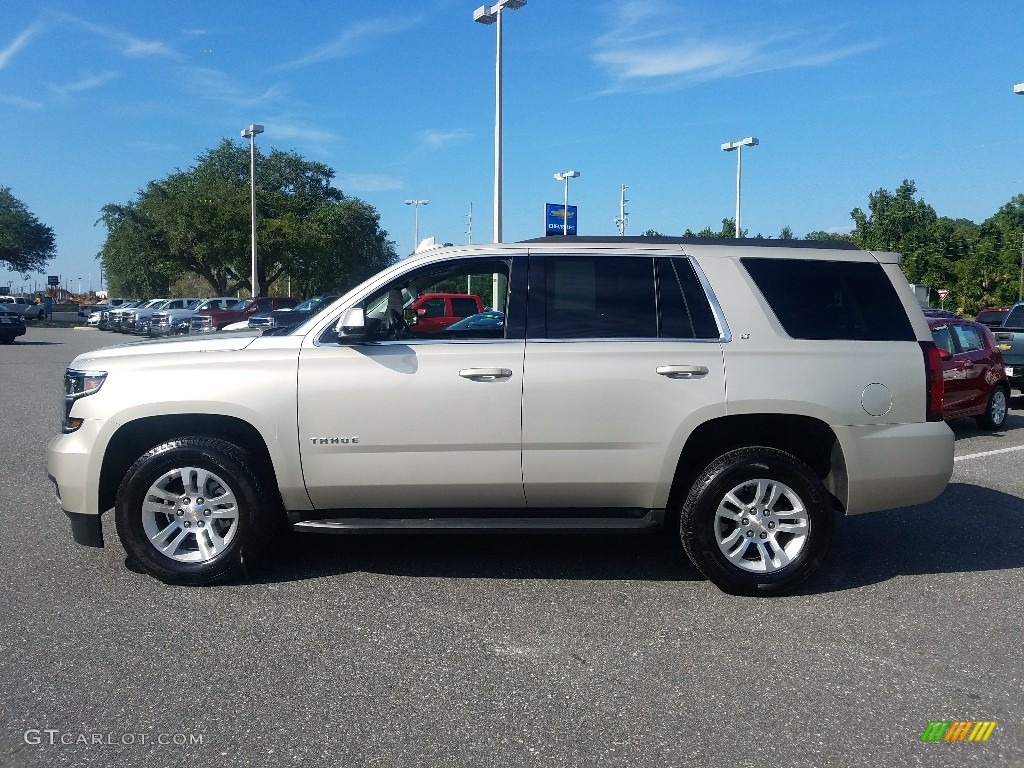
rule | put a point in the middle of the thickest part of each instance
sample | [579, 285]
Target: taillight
[933, 381]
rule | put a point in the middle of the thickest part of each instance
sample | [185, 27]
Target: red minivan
[974, 382]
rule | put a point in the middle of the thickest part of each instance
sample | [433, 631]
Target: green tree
[26, 244]
[198, 222]
[820, 234]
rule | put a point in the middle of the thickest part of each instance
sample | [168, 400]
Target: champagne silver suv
[742, 393]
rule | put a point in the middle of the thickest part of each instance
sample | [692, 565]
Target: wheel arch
[808, 439]
[134, 438]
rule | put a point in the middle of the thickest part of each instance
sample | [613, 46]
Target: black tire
[215, 520]
[774, 540]
[7, 340]
[996, 410]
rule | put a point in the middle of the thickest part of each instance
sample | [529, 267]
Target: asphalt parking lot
[507, 651]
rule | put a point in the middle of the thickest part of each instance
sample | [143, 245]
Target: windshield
[242, 305]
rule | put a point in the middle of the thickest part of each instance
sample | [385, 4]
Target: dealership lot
[465, 651]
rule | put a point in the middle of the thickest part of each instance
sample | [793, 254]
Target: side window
[683, 308]
[943, 338]
[475, 282]
[831, 299]
[431, 308]
[599, 297]
[969, 337]
[264, 305]
[464, 307]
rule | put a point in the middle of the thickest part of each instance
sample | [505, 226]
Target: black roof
[759, 242]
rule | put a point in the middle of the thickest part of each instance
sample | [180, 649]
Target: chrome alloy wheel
[998, 408]
[190, 514]
[761, 525]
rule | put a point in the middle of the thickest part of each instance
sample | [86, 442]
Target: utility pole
[1020, 284]
[469, 225]
[623, 213]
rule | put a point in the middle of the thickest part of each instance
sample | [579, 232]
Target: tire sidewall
[219, 457]
[698, 519]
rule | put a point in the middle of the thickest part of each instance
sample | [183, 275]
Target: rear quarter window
[821, 300]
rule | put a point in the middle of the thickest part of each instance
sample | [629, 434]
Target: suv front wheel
[756, 522]
[191, 511]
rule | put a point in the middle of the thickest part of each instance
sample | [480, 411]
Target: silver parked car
[172, 322]
[142, 315]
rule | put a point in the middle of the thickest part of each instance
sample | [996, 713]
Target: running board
[648, 522]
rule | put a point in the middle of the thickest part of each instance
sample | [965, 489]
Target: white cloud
[86, 83]
[18, 101]
[439, 139]
[649, 47]
[219, 86]
[352, 40]
[19, 43]
[368, 182]
[128, 44]
[283, 129]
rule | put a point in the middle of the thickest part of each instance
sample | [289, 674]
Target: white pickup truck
[27, 308]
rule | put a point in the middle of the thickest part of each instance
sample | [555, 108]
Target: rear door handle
[485, 374]
[682, 371]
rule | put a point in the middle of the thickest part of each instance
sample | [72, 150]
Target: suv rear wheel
[756, 522]
[191, 511]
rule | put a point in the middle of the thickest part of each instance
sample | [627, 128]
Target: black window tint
[683, 308]
[463, 307]
[832, 299]
[600, 297]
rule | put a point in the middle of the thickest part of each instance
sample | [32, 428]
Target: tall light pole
[491, 14]
[750, 141]
[416, 231]
[1019, 90]
[565, 176]
[250, 134]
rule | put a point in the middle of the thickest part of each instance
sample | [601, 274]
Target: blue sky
[99, 98]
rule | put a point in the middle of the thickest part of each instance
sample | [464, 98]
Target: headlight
[78, 384]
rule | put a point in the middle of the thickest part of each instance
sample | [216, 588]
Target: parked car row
[23, 306]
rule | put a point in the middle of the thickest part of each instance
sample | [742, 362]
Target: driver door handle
[682, 371]
[485, 374]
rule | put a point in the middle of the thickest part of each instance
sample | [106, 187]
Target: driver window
[459, 299]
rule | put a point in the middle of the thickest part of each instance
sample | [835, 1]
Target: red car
[973, 378]
[434, 312]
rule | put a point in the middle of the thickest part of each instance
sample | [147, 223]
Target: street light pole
[250, 134]
[491, 14]
[750, 141]
[1019, 90]
[565, 176]
[416, 232]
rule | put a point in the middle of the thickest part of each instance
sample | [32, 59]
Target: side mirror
[351, 324]
[945, 354]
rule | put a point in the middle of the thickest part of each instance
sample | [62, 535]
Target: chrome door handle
[485, 374]
[682, 371]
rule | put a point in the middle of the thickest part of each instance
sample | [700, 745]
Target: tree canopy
[26, 244]
[197, 222]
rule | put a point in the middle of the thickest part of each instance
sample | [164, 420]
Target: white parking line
[988, 453]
